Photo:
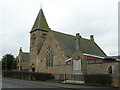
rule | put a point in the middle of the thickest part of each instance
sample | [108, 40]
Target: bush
[99, 80]
[27, 75]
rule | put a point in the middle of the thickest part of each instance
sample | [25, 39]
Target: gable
[58, 55]
[25, 56]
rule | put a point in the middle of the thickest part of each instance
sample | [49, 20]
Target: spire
[40, 22]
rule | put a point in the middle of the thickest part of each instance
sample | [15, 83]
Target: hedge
[99, 80]
[27, 75]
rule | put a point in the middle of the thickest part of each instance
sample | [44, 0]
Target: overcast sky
[97, 17]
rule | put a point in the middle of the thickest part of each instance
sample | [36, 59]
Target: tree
[8, 62]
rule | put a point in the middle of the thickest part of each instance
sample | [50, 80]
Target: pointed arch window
[49, 58]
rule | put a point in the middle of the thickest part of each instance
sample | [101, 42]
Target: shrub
[99, 80]
[27, 75]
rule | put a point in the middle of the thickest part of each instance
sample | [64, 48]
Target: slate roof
[113, 57]
[69, 45]
[25, 56]
[40, 22]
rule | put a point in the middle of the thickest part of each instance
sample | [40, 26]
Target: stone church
[59, 53]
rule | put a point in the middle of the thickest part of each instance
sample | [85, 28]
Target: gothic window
[49, 58]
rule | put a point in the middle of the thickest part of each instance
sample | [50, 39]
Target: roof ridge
[70, 35]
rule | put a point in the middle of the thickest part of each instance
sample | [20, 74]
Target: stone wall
[21, 64]
[102, 68]
[36, 42]
[25, 65]
[116, 82]
[59, 66]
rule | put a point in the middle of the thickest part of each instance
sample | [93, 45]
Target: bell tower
[38, 35]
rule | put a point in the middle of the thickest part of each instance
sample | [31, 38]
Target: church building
[59, 53]
[54, 52]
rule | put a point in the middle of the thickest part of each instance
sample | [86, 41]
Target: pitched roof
[69, 45]
[25, 56]
[40, 22]
[113, 57]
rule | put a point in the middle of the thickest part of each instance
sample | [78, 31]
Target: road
[14, 83]
[11, 83]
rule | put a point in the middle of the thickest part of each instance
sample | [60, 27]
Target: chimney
[20, 49]
[92, 38]
[78, 42]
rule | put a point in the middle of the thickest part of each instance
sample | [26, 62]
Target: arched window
[49, 58]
